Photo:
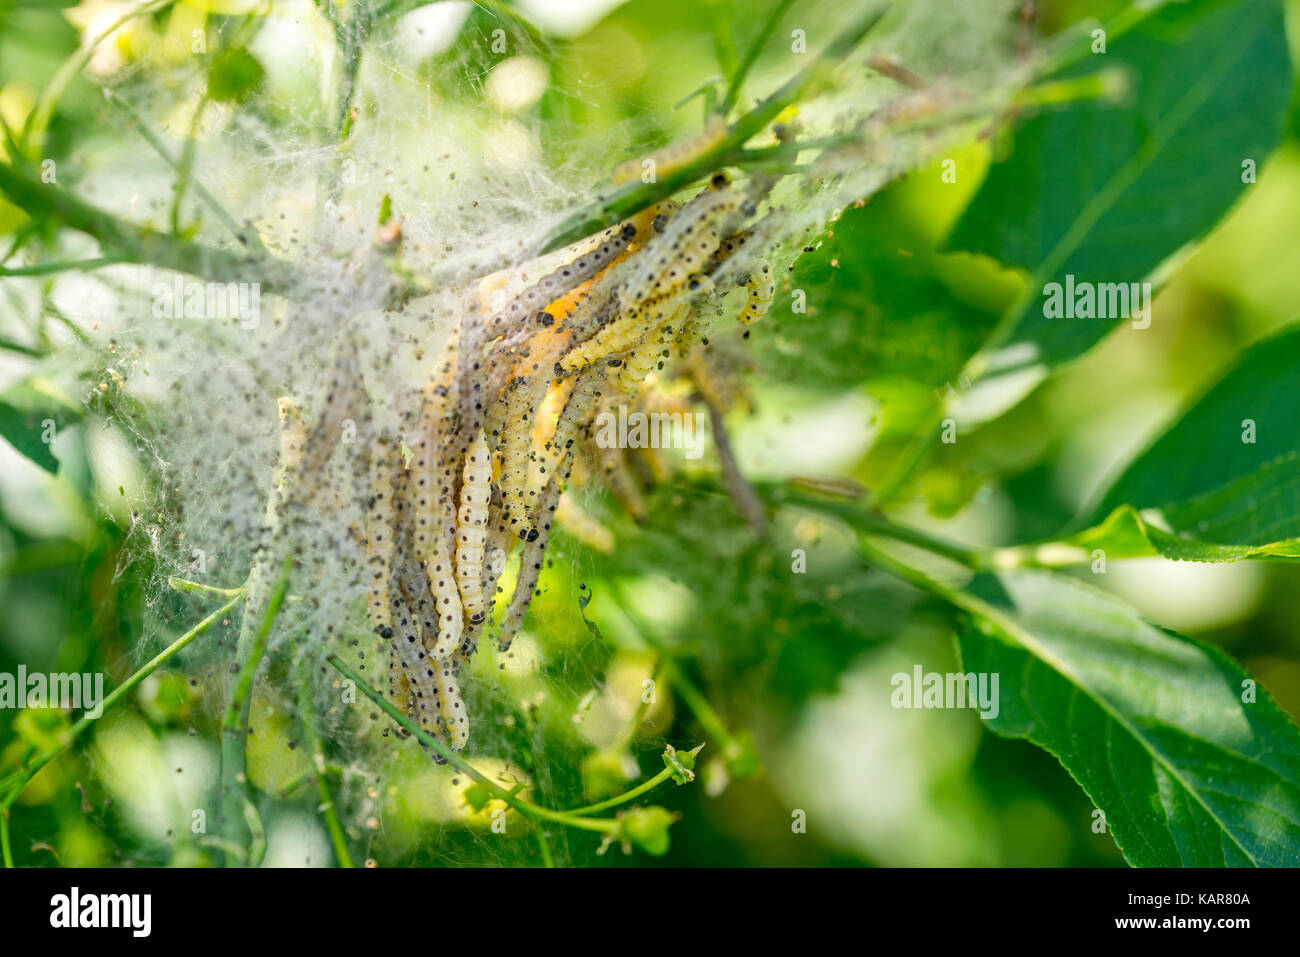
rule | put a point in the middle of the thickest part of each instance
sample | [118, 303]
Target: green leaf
[31, 414]
[235, 74]
[1151, 725]
[1223, 482]
[1107, 193]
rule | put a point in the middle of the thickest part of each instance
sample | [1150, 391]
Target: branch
[632, 198]
[138, 244]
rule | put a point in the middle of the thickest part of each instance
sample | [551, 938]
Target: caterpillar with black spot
[623, 333]
[675, 156]
[338, 401]
[759, 290]
[378, 550]
[588, 391]
[406, 644]
[642, 358]
[530, 562]
[451, 707]
[515, 450]
[561, 282]
[471, 527]
[687, 244]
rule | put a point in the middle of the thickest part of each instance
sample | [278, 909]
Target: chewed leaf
[1190, 761]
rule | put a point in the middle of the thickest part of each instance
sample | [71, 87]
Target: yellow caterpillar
[759, 290]
[625, 332]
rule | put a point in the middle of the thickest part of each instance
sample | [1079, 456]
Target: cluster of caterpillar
[490, 443]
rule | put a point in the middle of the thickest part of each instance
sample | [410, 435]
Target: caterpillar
[530, 563]
[427, 460]
[378, 550]
[625, 332]
[516, 447]
[687, 243]
[588, 390]
[562, 281]
[407, 646]
[445, 639]
[471, 529]
[675, 156]
[759, 290]
[338, 400]
[451, 707]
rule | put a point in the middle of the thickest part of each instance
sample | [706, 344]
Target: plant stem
[131, 243]
[46, 269]
[634, 197]
[234, 725]
[876, 524]
[752, 54]
[544, 846]
[316, 753]
[185, 168]
[527, 808]
[5, 850]
[113, 698]
[198, 588]
[627, 797]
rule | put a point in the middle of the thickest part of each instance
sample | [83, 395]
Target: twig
[234, 725]
[132, 243]
[741, 492]
[570, 818]
[316, 754]
[634, 197]
[46, 269]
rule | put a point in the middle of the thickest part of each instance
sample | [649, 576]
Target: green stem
[198, 588]
[704, 712]
[316, 752]
[876, 524]
[627, 797]
[752, 54]
[113, 698]
[185, 168]
[46, 269]
[634, 197]
[131, 243]
[5, 851]
[527, 808]
[234, 724]
[544, 846]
